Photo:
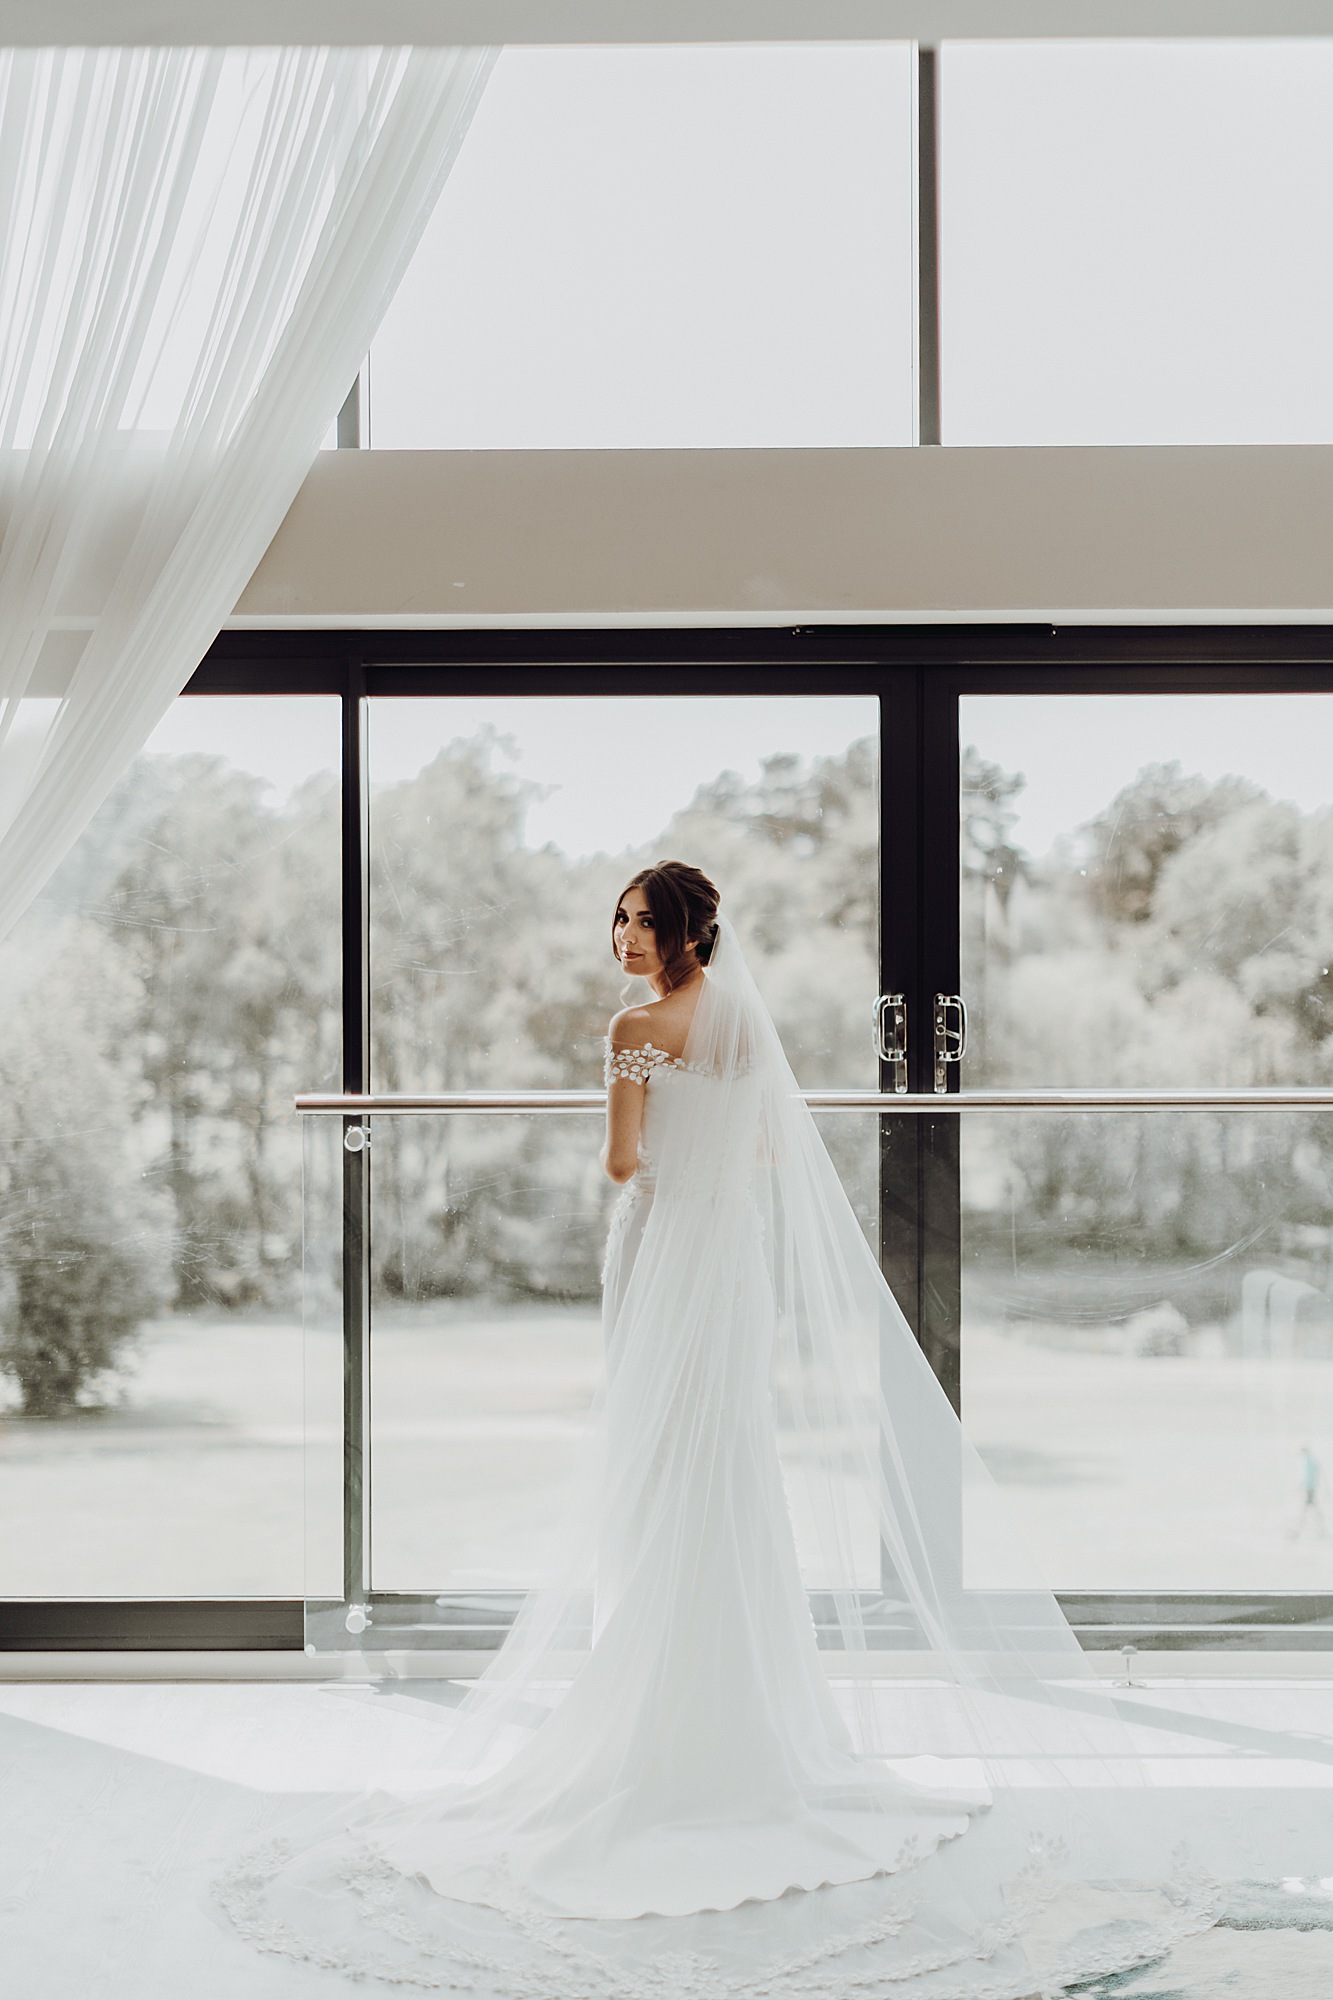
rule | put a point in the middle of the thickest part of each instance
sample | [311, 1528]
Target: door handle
[950, 1036]
[891, 1037]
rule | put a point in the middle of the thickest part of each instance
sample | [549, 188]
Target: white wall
[1217, 532]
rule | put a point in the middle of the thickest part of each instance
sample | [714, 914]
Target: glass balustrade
[468, 1390]
[1146, 1358]
[1147, 1343]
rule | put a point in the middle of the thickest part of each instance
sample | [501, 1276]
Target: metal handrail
[1297, 1098]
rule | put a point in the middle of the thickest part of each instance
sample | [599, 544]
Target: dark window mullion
[940, 1328]
[900, 972]
[356, 1164]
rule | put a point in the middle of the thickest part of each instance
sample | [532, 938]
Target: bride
[788, 1716]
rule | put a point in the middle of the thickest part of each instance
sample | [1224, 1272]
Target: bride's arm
[624, 1097]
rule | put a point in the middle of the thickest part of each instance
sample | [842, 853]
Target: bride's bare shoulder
[659, 1024]
[632, 1027]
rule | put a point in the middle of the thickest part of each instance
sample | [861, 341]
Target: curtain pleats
[196, 246]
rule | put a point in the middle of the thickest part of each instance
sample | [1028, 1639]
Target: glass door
[500, 833]
[1145, 1301]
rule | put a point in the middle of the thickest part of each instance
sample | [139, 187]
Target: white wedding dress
[670, 1782]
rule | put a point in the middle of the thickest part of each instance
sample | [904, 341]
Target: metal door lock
[950, 1036]
[891, 1038]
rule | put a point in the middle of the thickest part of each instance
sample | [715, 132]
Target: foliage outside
[1183, 938]
[179, 984]
[179, 981]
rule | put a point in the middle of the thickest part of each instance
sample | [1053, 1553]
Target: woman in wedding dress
[674, 1779]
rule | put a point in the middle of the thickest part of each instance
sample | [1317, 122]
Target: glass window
[501, 832]
[1137, 242]
[687, 246]
[1147, 1350]
[1144, 888]
[173, 987]
[502, 829]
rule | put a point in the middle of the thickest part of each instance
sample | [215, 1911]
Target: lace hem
[548, 1958]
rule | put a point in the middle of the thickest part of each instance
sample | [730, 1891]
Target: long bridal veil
[660, 1786]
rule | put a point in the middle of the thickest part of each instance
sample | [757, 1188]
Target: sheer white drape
[196, 246]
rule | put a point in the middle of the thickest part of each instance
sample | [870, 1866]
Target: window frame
[918, 672]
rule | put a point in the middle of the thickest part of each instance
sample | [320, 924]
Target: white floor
[121, 1801]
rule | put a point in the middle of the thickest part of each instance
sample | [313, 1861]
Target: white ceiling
[45, 23]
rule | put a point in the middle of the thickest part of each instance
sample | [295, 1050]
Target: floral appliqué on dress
[637, 1065]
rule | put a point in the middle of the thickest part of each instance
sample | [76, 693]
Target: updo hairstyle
[683, 905]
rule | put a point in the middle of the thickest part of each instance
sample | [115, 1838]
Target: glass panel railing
[1142, 1303]
[486, 1248]
[1147, 1346]
[467, 1397]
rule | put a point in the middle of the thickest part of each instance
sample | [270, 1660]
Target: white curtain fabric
[196, 246]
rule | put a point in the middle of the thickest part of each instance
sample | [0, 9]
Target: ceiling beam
[1171, 533]
[43, 23]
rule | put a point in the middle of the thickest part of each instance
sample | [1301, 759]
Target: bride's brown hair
[682, 903]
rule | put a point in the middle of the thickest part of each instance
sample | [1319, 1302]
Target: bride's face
[635, 940]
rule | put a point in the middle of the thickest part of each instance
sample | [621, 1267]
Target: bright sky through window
[620, 767]
[612, 770]
[712, 246]
[1137, 242]
[665, 246]
[1077, 751]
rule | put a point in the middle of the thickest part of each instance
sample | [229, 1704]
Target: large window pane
[501, 833]
[1145, 889]
[664, 247]
[173, 987]
[1147, 1346]
[1137, 242]
[503, 829]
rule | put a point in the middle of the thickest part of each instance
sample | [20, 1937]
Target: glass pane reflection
[1147, 1355]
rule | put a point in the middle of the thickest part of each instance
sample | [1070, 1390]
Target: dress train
[658, 1788]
